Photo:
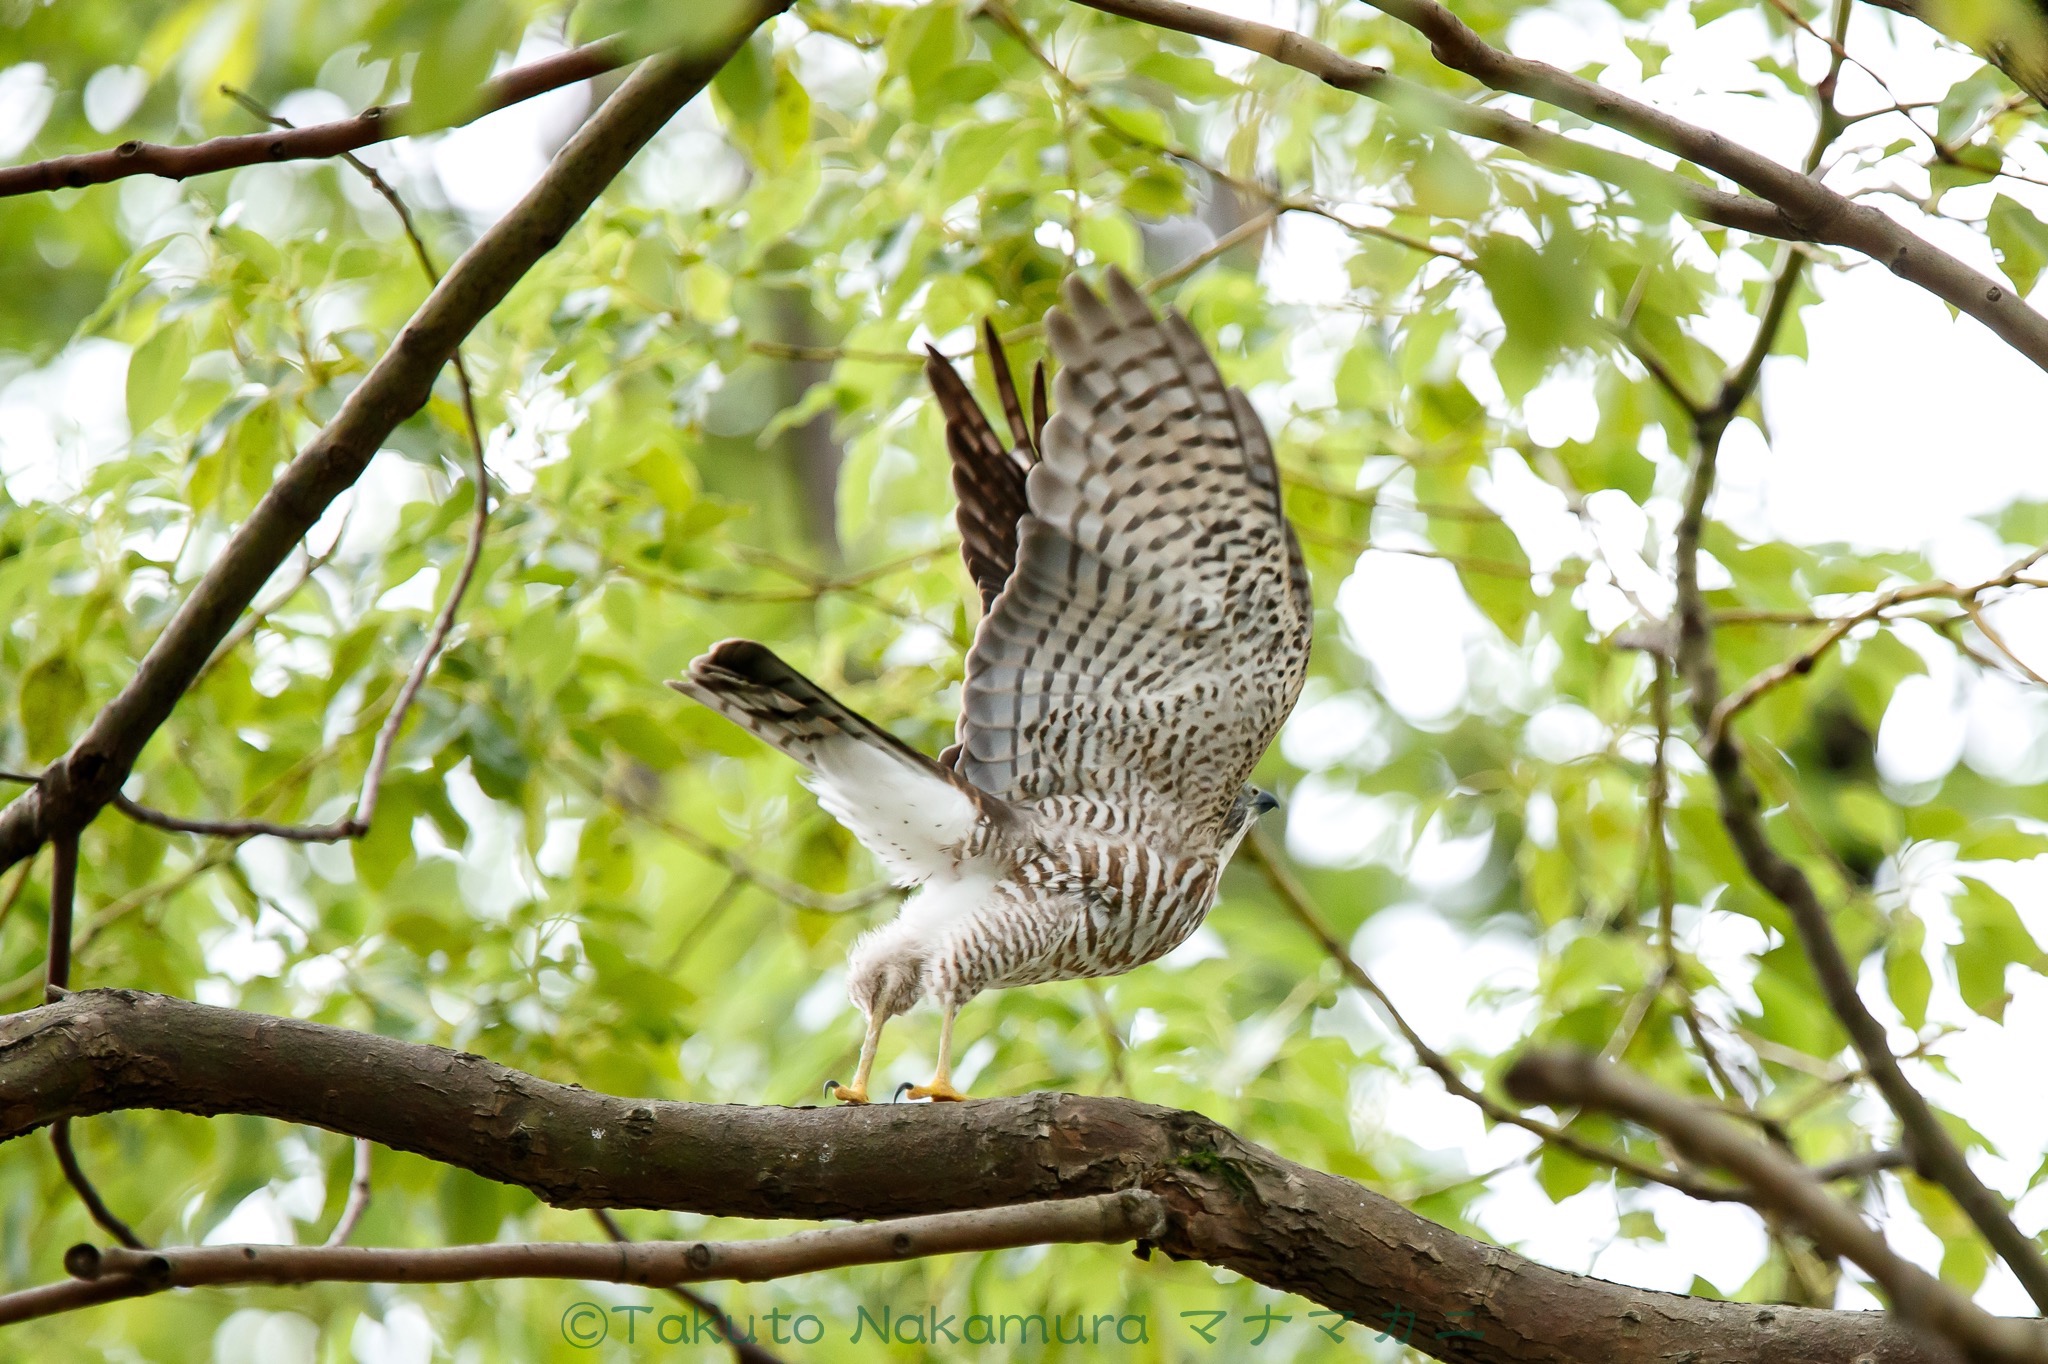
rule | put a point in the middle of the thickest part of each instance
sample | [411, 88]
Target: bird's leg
[941, 1087]
[857, 1092]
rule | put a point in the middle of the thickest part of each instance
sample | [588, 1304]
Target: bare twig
[15, 888]
[358, 1197]
[743, 1350]
[56, 983]
[63, 890]
[1248, 230]
[1126, 1216]
[1838, 627]
[317, 142]
[1558, 1077]
[67, 1160]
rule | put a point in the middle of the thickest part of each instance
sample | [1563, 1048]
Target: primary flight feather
[1146, 631]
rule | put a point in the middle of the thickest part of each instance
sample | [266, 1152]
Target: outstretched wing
[988, 476]
[912, 813]
[1154, 632]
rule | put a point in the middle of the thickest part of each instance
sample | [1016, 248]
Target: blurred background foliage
[705, 418]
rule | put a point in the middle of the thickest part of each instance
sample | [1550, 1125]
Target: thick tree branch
[1790, 205]
[1127, 1215]
[312, 143]
[1560, 1078]
[79, 784]
[1227, 1202]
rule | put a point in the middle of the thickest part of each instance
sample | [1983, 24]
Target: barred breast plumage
[1146, 633]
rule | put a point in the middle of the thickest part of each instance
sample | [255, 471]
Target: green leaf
[1994, 940]
[52, 696]
[1562, 1174]
[1193, 77]
[1447, 184]
[1905, 968]
[2020, 241]
[155, 371]
[1544, 297]
[1639, 1224]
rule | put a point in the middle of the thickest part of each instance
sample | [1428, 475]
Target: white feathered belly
[1066, 918]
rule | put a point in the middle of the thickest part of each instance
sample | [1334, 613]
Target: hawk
[1145, 632]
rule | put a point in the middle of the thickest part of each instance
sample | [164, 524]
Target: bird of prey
[1145, 633]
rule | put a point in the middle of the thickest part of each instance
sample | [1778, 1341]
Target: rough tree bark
[1228, 1202]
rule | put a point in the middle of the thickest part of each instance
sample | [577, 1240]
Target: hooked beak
[1262, 801]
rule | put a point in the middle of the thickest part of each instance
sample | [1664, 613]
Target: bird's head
[1251, 802]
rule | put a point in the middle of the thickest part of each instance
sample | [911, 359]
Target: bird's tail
[913, 813]
[747, 684]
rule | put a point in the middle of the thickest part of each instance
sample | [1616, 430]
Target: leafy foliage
[706, 419]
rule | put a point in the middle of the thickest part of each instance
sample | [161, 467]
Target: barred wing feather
[1154, 633]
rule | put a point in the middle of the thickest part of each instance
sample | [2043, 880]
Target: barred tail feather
[915, 815]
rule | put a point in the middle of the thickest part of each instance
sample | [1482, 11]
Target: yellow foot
[846, 1094]
[938, 1091]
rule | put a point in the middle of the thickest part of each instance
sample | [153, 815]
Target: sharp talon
[831, 1088]
[846, 1094]
[938, 1091]
[898, 1097]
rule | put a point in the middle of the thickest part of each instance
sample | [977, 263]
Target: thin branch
[1101, 1218]
[1658, 370]
[63, 890]
[1790, 206]
[1559, 1077]
[67, 1160]
[357, 824]
[15, 888]
[1838, 628]
[114, 911]
[1935, 1154]
[89, 776]
[1985, 628]
[1248, 230]
[743, 1350]
[1296, 900]
[1538, 143]
[56, 982]
[358, 1196]
[320, 141]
